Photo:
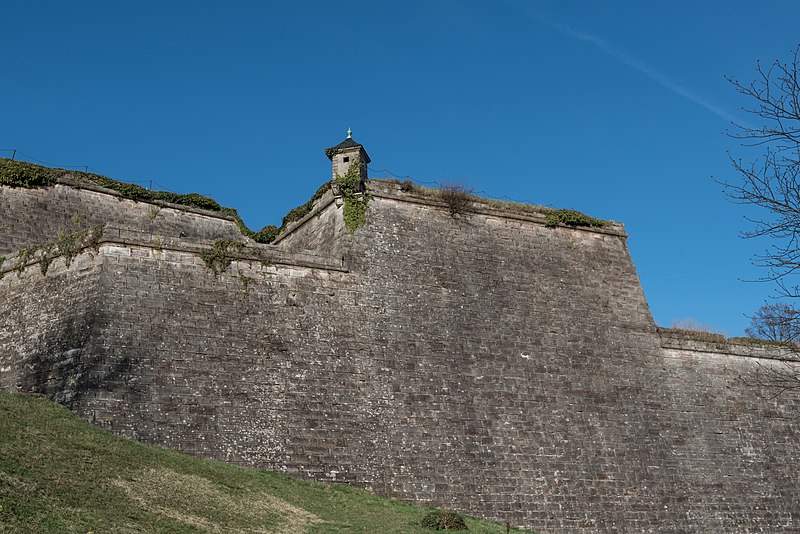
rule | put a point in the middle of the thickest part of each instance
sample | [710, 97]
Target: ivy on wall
[354, 195]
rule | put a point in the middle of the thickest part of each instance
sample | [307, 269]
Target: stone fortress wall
[34, 216]
[482, 362]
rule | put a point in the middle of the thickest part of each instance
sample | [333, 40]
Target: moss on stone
[221, 254]
[67, 244]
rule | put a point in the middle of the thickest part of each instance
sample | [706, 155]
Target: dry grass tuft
[197, 502]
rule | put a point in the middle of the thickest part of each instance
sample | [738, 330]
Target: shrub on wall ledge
[457, 197]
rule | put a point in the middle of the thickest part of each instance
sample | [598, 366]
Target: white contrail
[634, 63]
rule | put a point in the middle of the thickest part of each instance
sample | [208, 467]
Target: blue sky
[617, 109]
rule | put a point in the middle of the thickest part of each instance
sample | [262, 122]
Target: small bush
[569, 217]
[406, 186]
[457, 197]
[438, 520]
[266, 234]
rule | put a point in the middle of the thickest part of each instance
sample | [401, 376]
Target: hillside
[60, 474]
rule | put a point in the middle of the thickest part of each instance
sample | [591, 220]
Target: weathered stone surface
[481, 362]
[32, 217]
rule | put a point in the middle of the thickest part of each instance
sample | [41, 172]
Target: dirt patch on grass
[200, 503]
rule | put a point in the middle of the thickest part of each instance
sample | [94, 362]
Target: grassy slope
[60, 474]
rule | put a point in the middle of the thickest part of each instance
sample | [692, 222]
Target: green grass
[61, 474]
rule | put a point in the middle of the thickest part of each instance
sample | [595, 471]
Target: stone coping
[385, 188]
[73, 182]
[250, 252]
[323, 202]
[715, 343]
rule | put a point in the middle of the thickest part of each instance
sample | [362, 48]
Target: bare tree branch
[774, 381]
[771, 181]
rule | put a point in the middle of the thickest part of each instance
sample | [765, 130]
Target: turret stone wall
[479, 361]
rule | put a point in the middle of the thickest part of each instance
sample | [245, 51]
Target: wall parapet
[388, 189]
[117, 236]
[71, 181]
[715, 343]
[326, 200]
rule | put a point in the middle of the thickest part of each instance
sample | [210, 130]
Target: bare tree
[778, 322]
[770, 180]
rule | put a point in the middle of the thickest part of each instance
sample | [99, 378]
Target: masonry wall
[30, 217]
[481, 362]
[45, 325]
[322, 230]
[734, 438]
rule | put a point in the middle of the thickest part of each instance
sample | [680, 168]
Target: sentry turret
[345, 153]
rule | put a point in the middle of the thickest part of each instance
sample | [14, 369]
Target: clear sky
[614, 108]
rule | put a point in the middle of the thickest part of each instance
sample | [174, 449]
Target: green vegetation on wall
[67, 245]
[221, 254]
[28, 175]
[568, 217]
[22, 174]
[354, 195]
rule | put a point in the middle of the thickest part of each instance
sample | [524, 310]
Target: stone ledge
[324, 201]
[385, 189]
[678, 340]
[113, 238]
[70, 181]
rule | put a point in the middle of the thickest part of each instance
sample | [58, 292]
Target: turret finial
[349, 133]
